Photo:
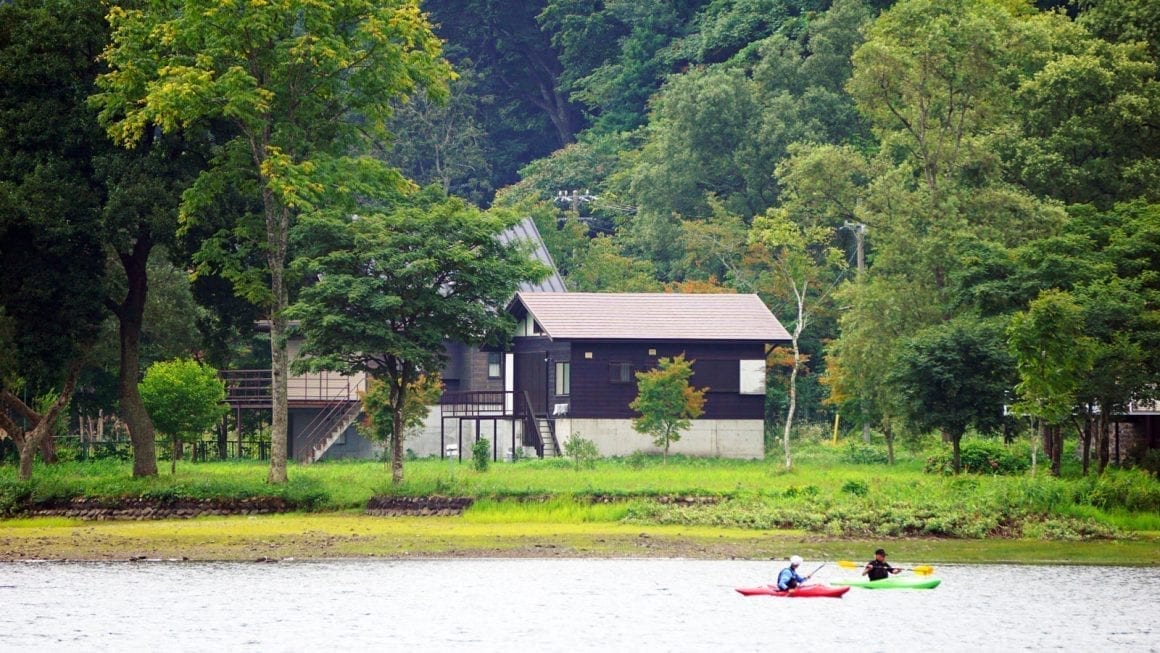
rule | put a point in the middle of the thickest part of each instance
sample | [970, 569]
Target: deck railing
[254, 388]
[480, 403]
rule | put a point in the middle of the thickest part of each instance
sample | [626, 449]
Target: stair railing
[333, 414]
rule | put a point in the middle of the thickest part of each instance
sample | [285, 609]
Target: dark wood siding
[535, 369]
[594, 395]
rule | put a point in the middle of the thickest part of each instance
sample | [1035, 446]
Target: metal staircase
[330, 423]
[539, 431]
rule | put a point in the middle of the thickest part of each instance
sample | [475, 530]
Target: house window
[563, 379]
[717, 375]
[494, 364]
[620, 372]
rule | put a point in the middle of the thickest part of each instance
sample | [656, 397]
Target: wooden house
[573, 362]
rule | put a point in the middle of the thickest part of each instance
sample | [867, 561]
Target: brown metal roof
[652, 316]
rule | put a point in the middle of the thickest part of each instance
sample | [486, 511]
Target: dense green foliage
[992, 166]
[981, 457]
[184, 398]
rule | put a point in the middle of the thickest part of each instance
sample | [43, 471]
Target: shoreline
[336, 536]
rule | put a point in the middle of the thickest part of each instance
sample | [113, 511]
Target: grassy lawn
[826, 506]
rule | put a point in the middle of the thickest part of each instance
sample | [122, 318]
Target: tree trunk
[799, 325]
[792, 404]
[277, 234]
[1056, 449]
[1086, 441]
[400, 391]
[1035, 439]
[1048, 442]
[223, 432]
[130, 317]
[888, 432]
[956, 458]
[1102, 439]
[29, 441]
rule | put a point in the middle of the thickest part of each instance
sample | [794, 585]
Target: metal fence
[75, 448]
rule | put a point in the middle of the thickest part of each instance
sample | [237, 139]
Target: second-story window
[620, 372]
[494, 364]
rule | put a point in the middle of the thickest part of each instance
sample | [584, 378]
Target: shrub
[857, 488]
[480, 455]
[582, 452]
[14, 495]
[1131, 489]
[980, 457]
[859, 453]
[1150, 462]
[1068, 528]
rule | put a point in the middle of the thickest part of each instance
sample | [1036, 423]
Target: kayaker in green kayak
[788, 579]
[878, 568]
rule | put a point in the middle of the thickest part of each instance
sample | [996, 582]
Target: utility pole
[859, 230]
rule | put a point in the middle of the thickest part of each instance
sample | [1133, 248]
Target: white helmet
[795, 560]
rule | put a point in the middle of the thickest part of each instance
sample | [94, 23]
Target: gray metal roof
[526, 231]
[652, 316]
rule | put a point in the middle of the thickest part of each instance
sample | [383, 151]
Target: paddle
[921, 570]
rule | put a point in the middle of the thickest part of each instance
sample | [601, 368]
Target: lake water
[561, 605]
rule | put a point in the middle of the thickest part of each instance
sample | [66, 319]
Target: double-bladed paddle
[921, 570]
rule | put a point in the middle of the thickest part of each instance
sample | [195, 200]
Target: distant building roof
[651, 316]
[526, 231]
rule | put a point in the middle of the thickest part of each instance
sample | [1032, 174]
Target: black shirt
[879, 569]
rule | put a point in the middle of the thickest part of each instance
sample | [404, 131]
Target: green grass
[824, 493]
[557, 510]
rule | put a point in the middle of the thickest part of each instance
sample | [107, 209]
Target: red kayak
[802, 592]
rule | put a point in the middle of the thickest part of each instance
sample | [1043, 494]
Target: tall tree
[1052, 355]
[307, 86]
[50, 229]
[953, 377]
[807, 267]
[393, 286]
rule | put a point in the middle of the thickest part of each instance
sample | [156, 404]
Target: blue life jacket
[786, 576]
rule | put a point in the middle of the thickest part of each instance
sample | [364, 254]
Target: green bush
[1150, 462]
[480, 455]
[582, 452]
[980, 457]
[860, 453]
[1131, 489]
[14, 495]
[857, 488]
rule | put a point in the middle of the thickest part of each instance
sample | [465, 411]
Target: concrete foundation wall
[723, 438]
[425, 441]
[720, 437]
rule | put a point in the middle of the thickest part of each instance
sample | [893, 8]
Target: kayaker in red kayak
[789, 579]
[878, 568]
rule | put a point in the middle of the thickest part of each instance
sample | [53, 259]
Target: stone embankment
[143, 508]
[389, 506]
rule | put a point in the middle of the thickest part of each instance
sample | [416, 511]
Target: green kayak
[911, 583]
